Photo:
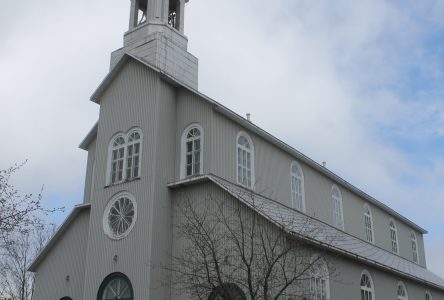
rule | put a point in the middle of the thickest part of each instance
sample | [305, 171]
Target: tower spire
[156, 35]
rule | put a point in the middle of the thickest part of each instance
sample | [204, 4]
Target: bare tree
[226, 242]
[16, 255]
[23, 232]
[17, 211]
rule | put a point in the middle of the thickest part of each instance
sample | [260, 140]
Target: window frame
[369, 215]
[128, 135]
[109, 279]
[401, 284]
[319, 270]
[415, 252]
[365, 288]
[183, 152]
[125, 137]
[292, 174]
[429, 295]
[251, 151]
[105, 223]
[111, 148]
[339, 200]
[394, 229]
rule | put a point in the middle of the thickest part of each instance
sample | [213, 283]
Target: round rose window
[119, 216]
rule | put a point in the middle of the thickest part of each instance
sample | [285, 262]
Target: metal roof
[322, 234]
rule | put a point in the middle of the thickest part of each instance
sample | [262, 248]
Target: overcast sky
[359, 84]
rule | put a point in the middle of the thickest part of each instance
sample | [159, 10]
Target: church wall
[66, 258]
[346, 285]
[272, 176]
[165, 165]
[191, 110]
[132, 100]
[89, 172]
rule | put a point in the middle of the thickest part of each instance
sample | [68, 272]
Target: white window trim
[427, 293]
[110, 158]
[183, 140]
[253, 180]
[105, 224]
[131, 131]
[396, 235]
[405, 289]
[321, 262]
[367, 273]
[295, 163]
[125, 136]
[370, 215]
[412, 233]
[335, 187]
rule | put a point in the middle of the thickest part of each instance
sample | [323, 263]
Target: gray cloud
[317, 74]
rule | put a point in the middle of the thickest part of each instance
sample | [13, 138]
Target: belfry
[156, 35]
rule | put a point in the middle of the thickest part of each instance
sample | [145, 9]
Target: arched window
[115, 286]
[319, 279]
[117, 159]
[227, 291]
[191, 156]
[428, 296]
[402, 292]
[133, 155]
[245, 160]
[297, 187]
[336, 199]
[367, 287]
[394, 236]
[124, 154]
[66, 298]
[368, 222]
[414, 247]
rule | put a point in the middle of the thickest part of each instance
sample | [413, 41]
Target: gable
[74, 228]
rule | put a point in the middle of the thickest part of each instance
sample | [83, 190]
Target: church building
[157, 136]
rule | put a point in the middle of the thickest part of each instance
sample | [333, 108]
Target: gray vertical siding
[133, 100]
[191, 109]
[160, 228]
[89, 172]
[347, 283]
[67, 258]
[272, 172]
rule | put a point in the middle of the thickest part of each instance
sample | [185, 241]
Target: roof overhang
[59, 233]
[89, 137]
[119, 66]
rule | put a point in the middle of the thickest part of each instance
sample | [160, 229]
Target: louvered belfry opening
[173, 13]
[139, 13]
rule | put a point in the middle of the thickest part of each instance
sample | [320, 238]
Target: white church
[158, 137]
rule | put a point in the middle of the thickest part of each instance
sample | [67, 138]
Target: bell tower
[156, 35]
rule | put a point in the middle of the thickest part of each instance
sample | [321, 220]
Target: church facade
[157, 136]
